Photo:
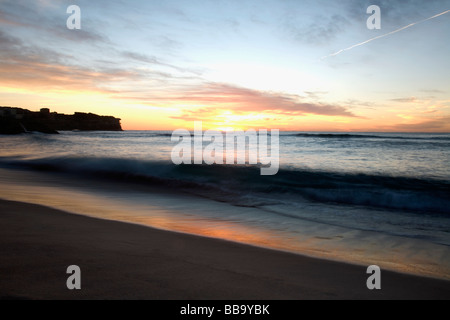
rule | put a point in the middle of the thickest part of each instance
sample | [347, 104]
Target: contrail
[383, 35]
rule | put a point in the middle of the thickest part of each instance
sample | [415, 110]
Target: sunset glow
[234, 64]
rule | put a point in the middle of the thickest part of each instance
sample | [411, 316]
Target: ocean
[365, 198]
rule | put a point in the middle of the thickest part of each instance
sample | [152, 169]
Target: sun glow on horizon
[247, 69]
[228, 129]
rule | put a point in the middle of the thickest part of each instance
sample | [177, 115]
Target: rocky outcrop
[17, 120]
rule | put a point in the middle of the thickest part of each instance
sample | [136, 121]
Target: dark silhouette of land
[17, 120]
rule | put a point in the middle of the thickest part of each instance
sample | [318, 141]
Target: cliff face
[16, 120]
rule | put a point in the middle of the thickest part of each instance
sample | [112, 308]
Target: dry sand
[127, 261]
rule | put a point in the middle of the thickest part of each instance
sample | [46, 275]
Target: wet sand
[126, 261]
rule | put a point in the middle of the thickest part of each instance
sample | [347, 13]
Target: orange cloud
[441, 124]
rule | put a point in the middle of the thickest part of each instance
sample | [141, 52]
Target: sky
[161, 65]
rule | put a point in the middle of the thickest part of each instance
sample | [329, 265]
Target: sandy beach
[178, 151]
[126, 261]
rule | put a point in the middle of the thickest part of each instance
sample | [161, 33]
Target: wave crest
[243, 185]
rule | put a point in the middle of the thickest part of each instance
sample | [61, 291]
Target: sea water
[357, 197]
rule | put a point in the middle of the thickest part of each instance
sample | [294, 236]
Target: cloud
[16, 51]
[206, 99]
[243, 100]
[406, 100]
[4, 19]
[359, 103]
[33, 67]
[395, 12]
[433, 91]
[81, 35]
[441, 124]
[322, 30]
[51, 23]
[27, 65]
[7, 41]
[139, 57]
[384, 35]
[315, 95]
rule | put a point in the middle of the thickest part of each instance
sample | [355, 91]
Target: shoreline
[179, 211]
[128, 261]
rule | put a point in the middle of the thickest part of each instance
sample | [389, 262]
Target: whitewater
[366, 198]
